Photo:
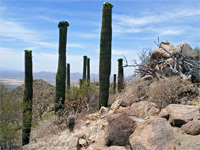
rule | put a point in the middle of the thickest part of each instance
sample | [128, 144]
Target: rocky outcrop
[153, 134]
[180, 114]
[192, 127]
[141, 109]
[161, 51]
[187, 51]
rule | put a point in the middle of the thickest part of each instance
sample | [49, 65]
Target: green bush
[10, 119]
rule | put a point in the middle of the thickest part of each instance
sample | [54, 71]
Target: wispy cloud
[132, 24]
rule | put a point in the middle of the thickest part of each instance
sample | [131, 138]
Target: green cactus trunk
[61, 72]
[114, 84]
[27, 100]
[68, 78]
[105, 54]
[120, 75]
[80, 83]
[88, 71]
[84, 68]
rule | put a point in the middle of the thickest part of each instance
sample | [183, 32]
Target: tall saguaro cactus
[88, 70]
[105, 54]
[61, 72]
[120, 75]
[27, 100]
[68, 77]
[114, 84]
[84, 68]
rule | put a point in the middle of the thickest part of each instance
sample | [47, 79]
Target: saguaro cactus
[84, 67]
[80, 83]
[61, 72]
[68, 77]
[27, 100]
[105, 54]
[120, 75]
[88, 70]
[114, 83]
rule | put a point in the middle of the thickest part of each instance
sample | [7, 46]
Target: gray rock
[187, 51]
[103, 111]
[153, 134]
[116, 104]
[192, 127]
[180, 114]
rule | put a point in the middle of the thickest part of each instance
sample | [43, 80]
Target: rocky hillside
[43, 96]
[130, 124]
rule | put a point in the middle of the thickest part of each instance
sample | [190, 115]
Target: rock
[164, 114]
[192, 127]
[153, 134]
[115, 148]
[181, 114]
[144, 109]
[103, 111]
[92, 139]
[73, 144]
[187, 51]
[147, 78]
[82, 142]
[140, 109]
[116, 104]
[160, 53]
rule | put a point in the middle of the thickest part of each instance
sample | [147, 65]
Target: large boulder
[192, 127]
[145, 109]
[187, 51]
[180, 114]
[161, 51]
[153, 134]
[141, 109]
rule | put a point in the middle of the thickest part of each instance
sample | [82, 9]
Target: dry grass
[134, 92]
[171, 91]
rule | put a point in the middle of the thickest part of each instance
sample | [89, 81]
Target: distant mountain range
[13, 74]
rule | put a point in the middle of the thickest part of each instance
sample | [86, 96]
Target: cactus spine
[114, 84]
[68, 77]
[105, 54]
[120, 75]
[84, 67]
[27, 100]
[88, 70]
[61, 72]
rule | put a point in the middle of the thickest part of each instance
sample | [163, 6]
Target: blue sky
[32, 24]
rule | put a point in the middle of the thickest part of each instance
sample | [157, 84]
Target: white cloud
[123, 24]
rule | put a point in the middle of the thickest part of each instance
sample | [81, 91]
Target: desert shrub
[10, 119]
[197, 49]
[171, 91]
[79, 100]
[120, 127]
[135, 91]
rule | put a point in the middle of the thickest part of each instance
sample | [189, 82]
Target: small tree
[10, 119]
[105, 54]
[61, 72]
[28, 97]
